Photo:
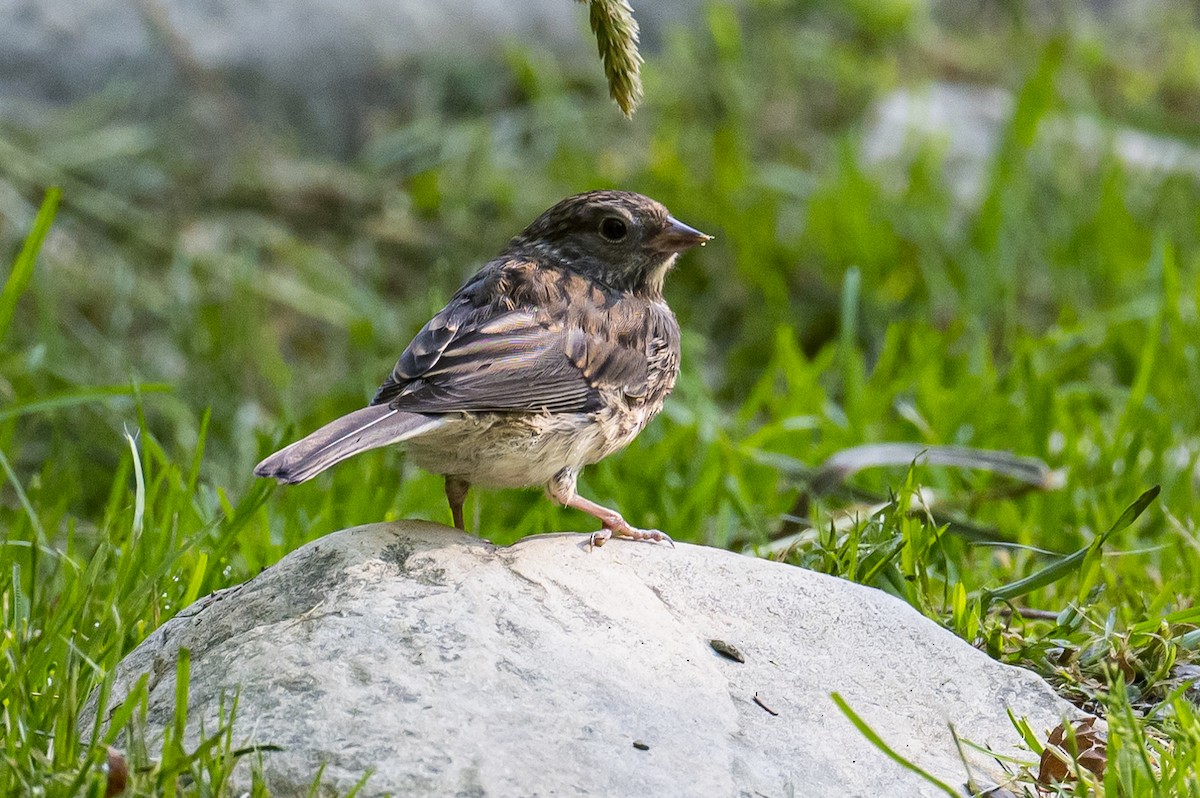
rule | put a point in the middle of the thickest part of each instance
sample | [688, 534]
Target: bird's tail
[355, 432]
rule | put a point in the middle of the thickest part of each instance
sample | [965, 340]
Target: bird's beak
[678, 237]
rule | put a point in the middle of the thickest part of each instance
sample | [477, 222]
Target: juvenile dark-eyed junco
[554, 356]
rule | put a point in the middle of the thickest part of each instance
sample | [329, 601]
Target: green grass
[211, 296]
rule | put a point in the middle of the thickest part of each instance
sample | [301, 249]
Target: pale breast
[511, 450]
[515, 451]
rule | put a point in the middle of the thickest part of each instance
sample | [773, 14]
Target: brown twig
[759, 701]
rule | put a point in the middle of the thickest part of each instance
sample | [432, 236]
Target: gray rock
[318, 68]
[64, 49]
[452, 666]
[965, 123]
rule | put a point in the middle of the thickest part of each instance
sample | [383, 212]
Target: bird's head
[625, 240]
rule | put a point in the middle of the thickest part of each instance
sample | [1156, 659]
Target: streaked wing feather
[486, 351]
[501, 372]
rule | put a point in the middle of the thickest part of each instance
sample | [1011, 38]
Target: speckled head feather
[624, 240]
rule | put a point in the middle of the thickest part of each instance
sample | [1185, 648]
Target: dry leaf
[118, 773]
[1058, 764]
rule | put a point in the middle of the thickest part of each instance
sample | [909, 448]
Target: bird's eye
[613, 229]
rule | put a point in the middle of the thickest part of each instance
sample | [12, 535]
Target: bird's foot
[562, 489]
[622, 529]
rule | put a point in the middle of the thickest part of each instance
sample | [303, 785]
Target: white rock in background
[314, 67]
[965, 124]
[451, 666]
[64, 49]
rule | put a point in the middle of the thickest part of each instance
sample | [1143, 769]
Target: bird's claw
[624, 530]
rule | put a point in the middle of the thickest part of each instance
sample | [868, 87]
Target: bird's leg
[456, 494]
[562, 490]
[614, 524]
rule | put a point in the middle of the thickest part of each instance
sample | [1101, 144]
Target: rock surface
[318, 68]
[330, 53]
[65, 49]
[454, 667]
[966, 124]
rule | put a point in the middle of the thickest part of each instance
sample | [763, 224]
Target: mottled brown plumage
[555, 355]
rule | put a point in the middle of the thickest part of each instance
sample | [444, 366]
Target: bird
[553, 356]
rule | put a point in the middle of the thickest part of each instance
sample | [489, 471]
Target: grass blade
[22, 269]
[23, 499]
[842, 465]
[121, 716]
[139, 496]
[1060, 568]
[79, 396]
[1132, 512]
[891, 754]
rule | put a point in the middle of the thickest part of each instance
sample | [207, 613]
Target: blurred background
[969, 222]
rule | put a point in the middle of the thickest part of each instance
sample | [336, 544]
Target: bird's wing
[517, 338]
